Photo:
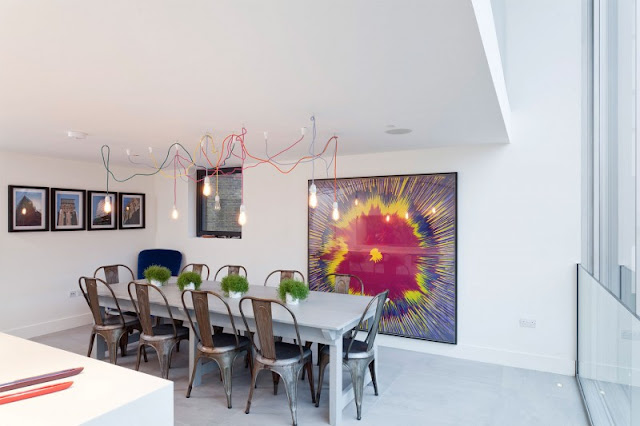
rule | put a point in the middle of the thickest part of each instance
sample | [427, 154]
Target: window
[222, 223]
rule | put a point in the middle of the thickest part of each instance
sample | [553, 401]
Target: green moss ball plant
[157, 275]
[234, 285]
[291, 291]
[189, 281]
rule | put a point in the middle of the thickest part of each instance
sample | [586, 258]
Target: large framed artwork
[397, 233]
[99, 217]
[67, 209]
[28, 208]
[132, 211]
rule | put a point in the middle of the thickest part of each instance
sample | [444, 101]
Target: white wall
[40, 268]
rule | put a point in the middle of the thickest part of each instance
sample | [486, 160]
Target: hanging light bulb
[313, 198]
[206, 190]
[216, 202]
[242, 217]
[433, 210]
[336, 214]
[357, 201]
[24, 210]
[107, 204]
[388, 218]
[406, 215]
[174, 213]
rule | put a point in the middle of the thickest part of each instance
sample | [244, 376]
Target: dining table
[323, 318]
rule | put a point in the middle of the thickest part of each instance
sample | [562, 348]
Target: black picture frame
[59, 220]
[19, 198]
[93, 202]
[131, 215]
[200, 203]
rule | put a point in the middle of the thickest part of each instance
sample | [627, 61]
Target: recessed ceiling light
[398, 131]
[77, 134]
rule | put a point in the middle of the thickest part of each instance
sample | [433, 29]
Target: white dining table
[322, 318]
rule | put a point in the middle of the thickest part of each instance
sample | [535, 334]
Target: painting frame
[93, 202]
[42, 217]
[123, 204]
[80, 204]
[451, 337]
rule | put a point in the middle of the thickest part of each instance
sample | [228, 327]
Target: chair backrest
[200, 301]
[342, 283]
[112, 275]
[198, 268]
[142, 305]
[262, 315]
[89, 287]
[285, 274]
[378, 301]
[231, 270]
[171, 259]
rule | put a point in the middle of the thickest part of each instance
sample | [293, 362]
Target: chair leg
[372, 370]
[309, 368]
[254, 376]
[124, 341]
[178, 346]
[144, 352]
[193, 375]
[140, 348]
[323, 364]
[91, 340]
[290, 380]
[226, 367]
[307, 345]
[113, 351]
[358, 369]
[164, 356]
[276, 380]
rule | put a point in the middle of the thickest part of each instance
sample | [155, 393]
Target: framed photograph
[99, 216]
[67, 209]
[132, 211]
[396, 233]
[28, 208]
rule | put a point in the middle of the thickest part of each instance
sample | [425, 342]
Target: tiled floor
[415, 389]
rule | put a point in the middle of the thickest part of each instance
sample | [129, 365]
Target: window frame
[200, 231]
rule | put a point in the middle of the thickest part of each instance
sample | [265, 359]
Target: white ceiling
[135, 74]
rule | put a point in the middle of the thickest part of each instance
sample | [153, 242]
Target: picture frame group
[38, 209]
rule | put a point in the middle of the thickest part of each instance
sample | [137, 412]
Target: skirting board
[53, 326]
[483, 354]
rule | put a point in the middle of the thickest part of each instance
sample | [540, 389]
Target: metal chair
[285, 274]
[342, 282]
[163, 337]
[357, 354]
[231, 270]
[112, 273]
[284, 360]
[112, 328]
[198, 268]
[223, 348]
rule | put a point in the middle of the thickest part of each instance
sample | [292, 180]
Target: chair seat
[114, 321]
[224, 342]
[286, 353]
[167, 329]
[358, 349]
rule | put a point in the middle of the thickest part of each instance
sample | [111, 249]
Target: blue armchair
[171, 259]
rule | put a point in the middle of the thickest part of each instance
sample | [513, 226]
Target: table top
[327, 311]
[99, 389]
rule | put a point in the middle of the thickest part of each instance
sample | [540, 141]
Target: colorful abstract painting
[396, 233]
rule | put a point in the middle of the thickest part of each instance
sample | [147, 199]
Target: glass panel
[222, 222]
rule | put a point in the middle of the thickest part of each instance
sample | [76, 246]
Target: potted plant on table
[157, 275]
[234, 286]
[189, 281]
[292, 291]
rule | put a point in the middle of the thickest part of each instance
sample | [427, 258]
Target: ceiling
[147, 73]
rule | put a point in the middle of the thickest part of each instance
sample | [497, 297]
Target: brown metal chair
[285, 274]
[357, 354]
[112, 328]
[342, 282]
[284, 360]
[231, 270]
[223, 348]
[112, 273]
[163, 337]
[198, 268]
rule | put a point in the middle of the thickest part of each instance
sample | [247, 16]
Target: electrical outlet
[527, 323]
[75, 293]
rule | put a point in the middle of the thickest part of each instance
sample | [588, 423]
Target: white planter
[291, 300]
[156, 283]
[190, 286]
[235, 294]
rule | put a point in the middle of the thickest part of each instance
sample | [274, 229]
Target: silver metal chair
[163, 337]
[285, 274]
[357, 354]
[198, 268]
[342, 282]
[231, 270]
[223, 348]
[284, 360]
[111, 327]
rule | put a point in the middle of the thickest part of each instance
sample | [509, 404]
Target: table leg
[335, 383]
[193, 343]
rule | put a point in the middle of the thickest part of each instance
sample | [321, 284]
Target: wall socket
[74, 293]
[527, 323]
